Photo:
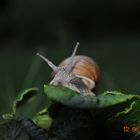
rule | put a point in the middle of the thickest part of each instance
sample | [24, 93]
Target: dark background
[108, 31]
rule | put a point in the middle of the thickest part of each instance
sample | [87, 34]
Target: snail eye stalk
[55, 68]
[69, 66]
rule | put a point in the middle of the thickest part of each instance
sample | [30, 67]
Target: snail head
[63, 75]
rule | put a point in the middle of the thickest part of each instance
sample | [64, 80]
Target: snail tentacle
[69, 66]
[55, 68]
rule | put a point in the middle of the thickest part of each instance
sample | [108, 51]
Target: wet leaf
[43, 119]
[24, 96]
[71, 98]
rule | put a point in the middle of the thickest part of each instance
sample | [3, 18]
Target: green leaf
[131, 114]
[24, 96]
[71, 98]
[43, 119]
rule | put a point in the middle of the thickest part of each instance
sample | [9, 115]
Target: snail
[78, 72]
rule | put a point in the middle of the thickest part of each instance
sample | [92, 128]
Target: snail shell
[85, 68]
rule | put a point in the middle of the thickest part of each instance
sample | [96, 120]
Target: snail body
[78, 72]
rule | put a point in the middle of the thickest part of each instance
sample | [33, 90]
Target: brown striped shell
[84, 67]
